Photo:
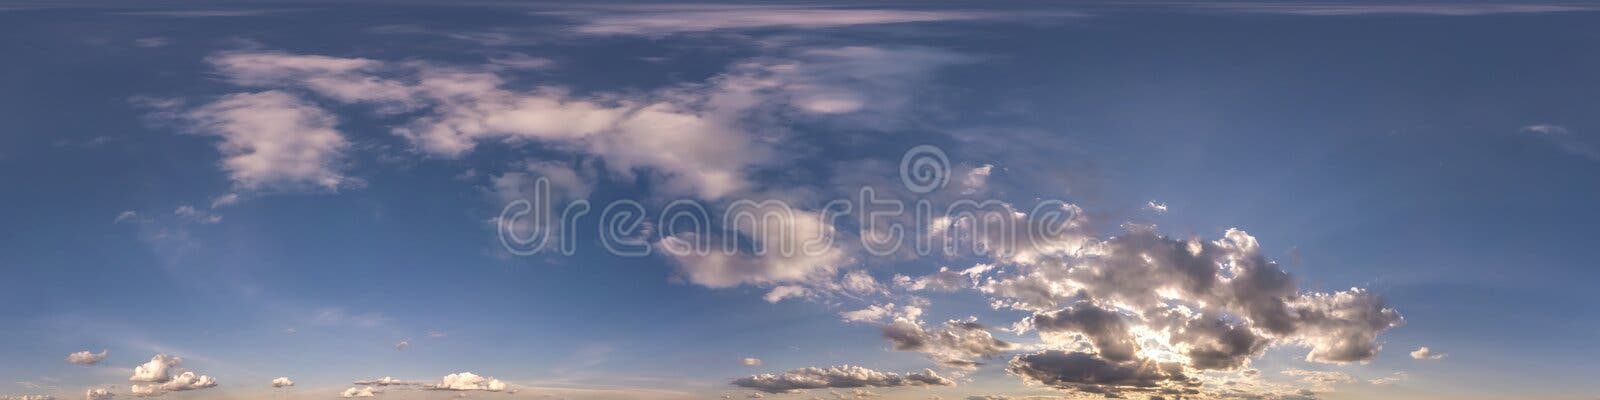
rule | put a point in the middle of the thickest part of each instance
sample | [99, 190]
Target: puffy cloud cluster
[28, 397]
[1218, 303]
[1090, 373]
[158, 372]
[274, 140]
[282, 381]
[361, 392]
[844, 376]
[465, 381]
[98, 394]
[87, 358]
[957, 344]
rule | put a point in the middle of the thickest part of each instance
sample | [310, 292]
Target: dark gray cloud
[844, 376]
[1087, 372]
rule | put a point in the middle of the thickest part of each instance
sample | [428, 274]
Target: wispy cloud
[1375, 8]
[656, 20]
[1568, 141]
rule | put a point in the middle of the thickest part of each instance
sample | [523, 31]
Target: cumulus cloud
[1217, 303]
[1106, 329]
[362, 392]
[99, 394]
[28, 397]
[750, 361]
[467, 381]
[159, 373]
[273, 140]
[87, 358]
[282, 381]
[158, 370]
[957, 344]
[844, 376]
[1090, 373]
[402, 345]
[1425, 353]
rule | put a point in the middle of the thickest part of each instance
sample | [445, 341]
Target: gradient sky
[310, 191]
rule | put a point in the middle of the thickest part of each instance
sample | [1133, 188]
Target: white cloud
[158, 372]
[1391, 379]
[87, 358]
[751, 361]
[1425, 353]
[695, 139]
[943, 281]
[273, 140]
[466, 381]
[282, 381]
[959, 344]
[1159, 208]
[99, 394]
[388, 381]
[402, 345]
[363, 392]
[127, 216]
[190, 214]
[792, 253]
[786, 291]
[1321, 381]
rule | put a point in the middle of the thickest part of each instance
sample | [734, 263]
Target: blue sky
[1284, 200]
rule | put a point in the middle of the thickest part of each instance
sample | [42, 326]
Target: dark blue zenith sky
[1290, 200]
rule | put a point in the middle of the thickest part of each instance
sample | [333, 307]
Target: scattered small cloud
[282, 381]
[87, 358]
[1159, 208]
[1425, 353]
[751, 361]
[1565, 139]
[152, 42]
[1391, 379]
